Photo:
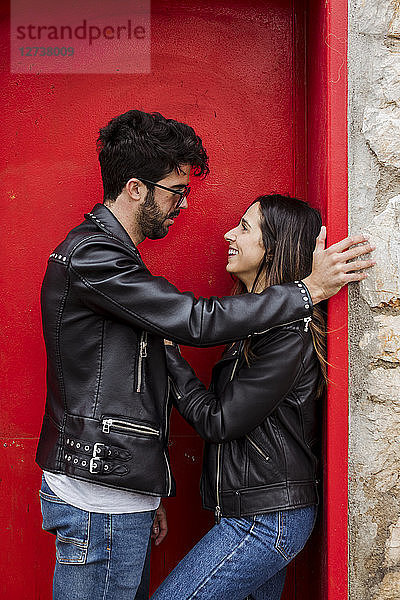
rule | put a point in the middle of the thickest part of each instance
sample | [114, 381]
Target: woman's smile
[232, 252]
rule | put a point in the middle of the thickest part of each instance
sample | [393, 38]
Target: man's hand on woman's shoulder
[331, 267]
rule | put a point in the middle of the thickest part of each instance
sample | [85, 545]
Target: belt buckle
[95, 465]
[98, 450]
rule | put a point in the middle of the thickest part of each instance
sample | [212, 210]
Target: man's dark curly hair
[148, 146]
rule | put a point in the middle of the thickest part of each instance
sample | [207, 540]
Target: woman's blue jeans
[99, 556]
[241, 558]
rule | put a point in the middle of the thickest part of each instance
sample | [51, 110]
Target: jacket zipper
[142, 355]
[305, 319]
[170, 382]
[169, 474]
[218, 507]
[126, 426]
[218, 510]
[176, 392]
[257, 447]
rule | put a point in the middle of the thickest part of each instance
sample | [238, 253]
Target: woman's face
[246, 248]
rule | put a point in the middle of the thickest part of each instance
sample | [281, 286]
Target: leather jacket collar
[105, 220]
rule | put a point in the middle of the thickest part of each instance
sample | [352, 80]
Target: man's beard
[151, 220]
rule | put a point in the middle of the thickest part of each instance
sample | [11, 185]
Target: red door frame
[327, 174]
[337, 413]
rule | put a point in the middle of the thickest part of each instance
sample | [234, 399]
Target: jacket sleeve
[110, 280]
[252, 394]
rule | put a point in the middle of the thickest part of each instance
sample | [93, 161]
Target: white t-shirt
[93, 497]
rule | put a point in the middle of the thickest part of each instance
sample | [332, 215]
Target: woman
[260, 422]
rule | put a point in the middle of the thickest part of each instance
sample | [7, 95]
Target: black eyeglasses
[183, 194]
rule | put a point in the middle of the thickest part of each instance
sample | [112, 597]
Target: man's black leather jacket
[261, 423]
[104, 320]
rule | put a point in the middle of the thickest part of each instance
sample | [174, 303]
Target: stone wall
[374, 207]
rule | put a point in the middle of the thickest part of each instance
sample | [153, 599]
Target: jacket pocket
[258, 448]
[114, 424]
[69, 524]
[262, 466]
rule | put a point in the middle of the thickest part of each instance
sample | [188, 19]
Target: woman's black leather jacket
[261, 423]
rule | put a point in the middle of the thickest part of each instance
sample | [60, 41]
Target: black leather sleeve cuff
[306, 296]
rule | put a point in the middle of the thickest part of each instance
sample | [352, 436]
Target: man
[103, 444]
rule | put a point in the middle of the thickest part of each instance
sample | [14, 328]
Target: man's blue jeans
[99, 556]
[241, 558]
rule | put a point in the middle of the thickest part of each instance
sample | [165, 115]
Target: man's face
[157, 213]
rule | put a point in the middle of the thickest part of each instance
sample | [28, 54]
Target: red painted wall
[234, 70]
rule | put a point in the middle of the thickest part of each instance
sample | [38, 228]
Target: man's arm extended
[110, 281]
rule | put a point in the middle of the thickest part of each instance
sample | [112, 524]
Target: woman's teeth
[232, 251]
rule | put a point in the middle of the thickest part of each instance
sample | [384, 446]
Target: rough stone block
[364, 176]
[389, 589]
[381, 119]
[392, 555]
[382, 288]
[383, 344]
[381, 128]
[384, 386]
[376, 17]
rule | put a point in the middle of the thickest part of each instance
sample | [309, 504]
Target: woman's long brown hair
[289, 229]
